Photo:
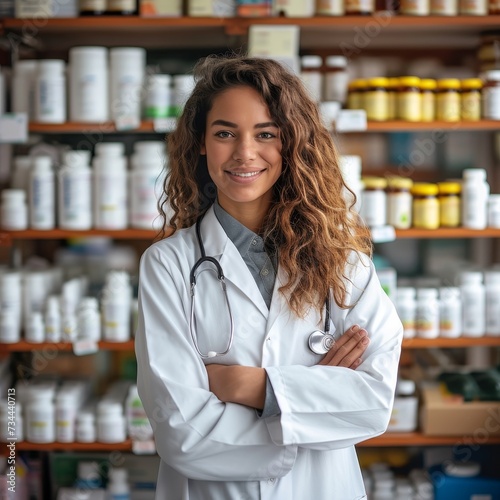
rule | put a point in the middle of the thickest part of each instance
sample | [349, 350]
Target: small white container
[475, 193]
[89, 319]
[53, 324]
[492, 299]
[311, 75]
[14, 210]
[50, 92]
[40, 415]
[373, 208]
[11, 298]
[427, 315]
[66, 410]
[111, 425]
[473, 304]
[450, 312]
[406, 306]
[494, 211]
[88, 84]
[330, 8]
[491, 95]
[444, 7]
[35, 328]
[42, 209]
[158, 96]
[10, 328]
[336, 79]
[118, 487]
[405, 409]
[415, 7]
[85, 428]
[75, 192]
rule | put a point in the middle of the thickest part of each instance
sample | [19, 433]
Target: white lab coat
[207, 447]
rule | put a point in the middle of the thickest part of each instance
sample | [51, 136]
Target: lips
[245, 175]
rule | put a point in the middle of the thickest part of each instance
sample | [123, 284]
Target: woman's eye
[266, 135]
[223, 134]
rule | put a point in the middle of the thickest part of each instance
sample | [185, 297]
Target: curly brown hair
[309, 222]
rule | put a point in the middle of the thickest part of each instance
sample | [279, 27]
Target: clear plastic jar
[470, 99]
[374, 201]
[449, 204]
[448, 100]
[428, 95]
[377, 99]
[399, 202]
[425, 205]
[409, 99]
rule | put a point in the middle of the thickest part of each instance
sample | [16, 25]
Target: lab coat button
[254, 242]
[272, 479]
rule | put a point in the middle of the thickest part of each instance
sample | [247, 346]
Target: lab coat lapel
[278, 301]
[218, 245]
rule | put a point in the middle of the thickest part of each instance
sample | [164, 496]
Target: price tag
[383, 234]
[351, 120]
[14, 128]
[164, 125]
[127, 122]
[144, 447]
[83, 347]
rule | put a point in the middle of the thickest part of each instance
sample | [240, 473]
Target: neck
[251, 214]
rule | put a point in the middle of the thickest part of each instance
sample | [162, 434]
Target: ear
[203, 149]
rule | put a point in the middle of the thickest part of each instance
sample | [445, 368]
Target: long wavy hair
[309, 223]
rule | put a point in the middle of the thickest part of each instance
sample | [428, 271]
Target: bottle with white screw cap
[50, 92]
[427, 315]
[42, 209]
[14, 210]
[475, 192]
[473, 303]
[492, 298]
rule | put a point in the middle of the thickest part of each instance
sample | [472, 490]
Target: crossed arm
[246, 385]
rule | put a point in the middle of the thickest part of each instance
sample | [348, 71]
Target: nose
[244, 150]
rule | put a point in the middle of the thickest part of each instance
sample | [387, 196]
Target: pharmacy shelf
[149, 127]
[419, 343]
[446, 233]
[385, 440]
[24, 346]
[418, 439]
[6, 237]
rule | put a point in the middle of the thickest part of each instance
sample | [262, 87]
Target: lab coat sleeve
[329, 407]
[195, 433]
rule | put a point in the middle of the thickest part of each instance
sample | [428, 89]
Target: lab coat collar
[217, 244]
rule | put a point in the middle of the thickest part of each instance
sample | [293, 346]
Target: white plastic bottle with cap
[127, 72]
[66, 407]
[75, 191]
[40, 415]
[110, 186]
[42, 209]
[350, 166]
[158, 96]
[336, 79]
[111, 426]
[450, 312]
[89, 320]
[118, 487]
[115, 302]
[138, 425]
[311, 75]
[473, 303]
[35, 328]
[10, 307]
[405, 410]
[53, 324]
[88, 84]
[14, 210]
[406, 307]
[492, 297]
[85, 431]
[50, 92]
[475, 192]
[427, 315]
[23, 87]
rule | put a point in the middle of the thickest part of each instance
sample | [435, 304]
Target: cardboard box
[446, 414]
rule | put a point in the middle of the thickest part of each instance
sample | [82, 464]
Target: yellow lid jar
[470, 99]
[377, 99]
[448, 100]
[399, 202]
[425, 205]
[392, 92]
[409, 99]
[449, 203]
[428, 93]
[356, 94]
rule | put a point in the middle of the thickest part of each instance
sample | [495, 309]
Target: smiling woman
[265, 256]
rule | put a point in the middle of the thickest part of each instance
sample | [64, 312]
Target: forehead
[241, 99]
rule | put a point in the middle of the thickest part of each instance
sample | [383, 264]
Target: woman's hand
[245, 385]
[348, 349]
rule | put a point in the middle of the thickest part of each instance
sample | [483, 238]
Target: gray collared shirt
[263, 268]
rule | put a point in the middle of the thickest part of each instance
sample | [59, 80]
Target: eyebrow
[234, 125]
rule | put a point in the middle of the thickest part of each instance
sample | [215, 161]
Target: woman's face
[243, 149]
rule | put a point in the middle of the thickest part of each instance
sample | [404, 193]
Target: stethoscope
[319, 342]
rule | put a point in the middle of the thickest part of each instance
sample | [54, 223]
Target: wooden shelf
[385, 440]
[95, 447]
[61, 234]
[24, 346]
[148, 127]
[419, 343]
[445, 233]
[418, 439]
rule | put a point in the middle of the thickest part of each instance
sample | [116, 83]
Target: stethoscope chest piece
[320, 342]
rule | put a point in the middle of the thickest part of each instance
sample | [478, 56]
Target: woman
[253, 412]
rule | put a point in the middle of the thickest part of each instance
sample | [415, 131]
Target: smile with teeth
[245, 174]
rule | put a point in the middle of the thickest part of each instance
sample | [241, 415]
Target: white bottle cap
[336, 61]
[159, 80]
[42, 163]
[492, 277]
[449, 292]
[107, 149]
[311, 61]
[405, 387]
[77, 159]
[427, 293]
[51, 67]
[406, 292]
[471, 278]
[18, 195]
[477, 174]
